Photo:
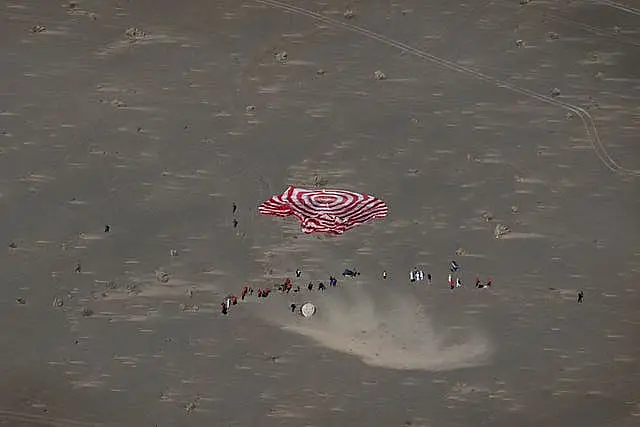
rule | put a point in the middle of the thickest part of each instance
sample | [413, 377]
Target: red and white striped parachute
[327, 211]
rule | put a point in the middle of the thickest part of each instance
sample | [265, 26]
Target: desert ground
[154, 117]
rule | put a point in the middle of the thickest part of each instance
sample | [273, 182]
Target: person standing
[580, 296]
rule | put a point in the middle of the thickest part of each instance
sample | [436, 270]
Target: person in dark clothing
[310, 286]
[429, 278]
[293, 308]
[297, 289]
[321, 286]
[298, 273]
[243, 294]
[234, 207]
[580, 297]
[478, 283]
[235, 223]
[350, 273]
[223, 308]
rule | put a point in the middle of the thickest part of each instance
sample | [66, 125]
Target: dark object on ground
[107, 228]
[350, 273]
[580, 297]
[12, 245]
[78, 268]
[21, 301]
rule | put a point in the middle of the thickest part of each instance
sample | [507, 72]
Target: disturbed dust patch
[396, 334]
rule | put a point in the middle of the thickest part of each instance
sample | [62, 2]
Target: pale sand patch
[395, 335]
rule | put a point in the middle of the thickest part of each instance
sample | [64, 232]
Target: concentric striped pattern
[327, 211]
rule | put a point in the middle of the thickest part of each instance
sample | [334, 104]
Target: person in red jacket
[243, 294]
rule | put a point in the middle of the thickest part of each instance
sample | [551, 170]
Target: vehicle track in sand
[587, 120]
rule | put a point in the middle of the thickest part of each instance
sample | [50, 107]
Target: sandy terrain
[154, 119]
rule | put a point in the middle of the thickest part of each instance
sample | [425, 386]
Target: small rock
[282, 57]
[553, 35]
[21, 301]
[321, 72]
[523, 2]
[190, 407]
[132, 289]
[117, 103]
[487, 216]
[616, 29]
[13, 245]
[379, 75]
[515, 209]
[348, 14]
[134, 34]
[250, 108]
[57, 302]
[460, 252]
[162, 276]
[319, 181]
[86, 312]
[520, 43]
[190, 307]
[599, 75]
[38, 29]
[500, 231]
[555, 92]
[112, 285]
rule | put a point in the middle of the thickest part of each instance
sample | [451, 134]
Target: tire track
[619, 6]
[44, 420]
[594, 30]
[586, 118]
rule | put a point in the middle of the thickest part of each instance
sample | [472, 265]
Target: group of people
[287, 285]
[454, 280]
[285, 288]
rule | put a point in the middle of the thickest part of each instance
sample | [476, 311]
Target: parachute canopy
[328, 211]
